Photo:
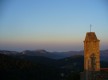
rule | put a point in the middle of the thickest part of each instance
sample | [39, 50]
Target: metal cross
[90, 27]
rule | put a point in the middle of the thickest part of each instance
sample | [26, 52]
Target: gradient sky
[54, 25]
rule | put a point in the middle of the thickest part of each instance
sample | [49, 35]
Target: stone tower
[91, 52]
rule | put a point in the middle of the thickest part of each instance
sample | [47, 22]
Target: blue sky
[54, 25]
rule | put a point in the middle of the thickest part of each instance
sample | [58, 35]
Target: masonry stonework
[91, 52]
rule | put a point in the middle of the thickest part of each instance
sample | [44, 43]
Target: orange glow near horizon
[64, 43]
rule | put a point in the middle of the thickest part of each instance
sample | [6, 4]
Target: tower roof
[91, 36]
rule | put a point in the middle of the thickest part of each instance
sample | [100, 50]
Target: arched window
[93, 61]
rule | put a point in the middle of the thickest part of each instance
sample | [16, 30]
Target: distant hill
[29, 67]
[104, 55]
[52, 55]
[56, 59]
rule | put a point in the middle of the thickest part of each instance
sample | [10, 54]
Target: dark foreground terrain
[26, 67]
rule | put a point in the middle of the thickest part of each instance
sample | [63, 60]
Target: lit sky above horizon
[53, 25]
